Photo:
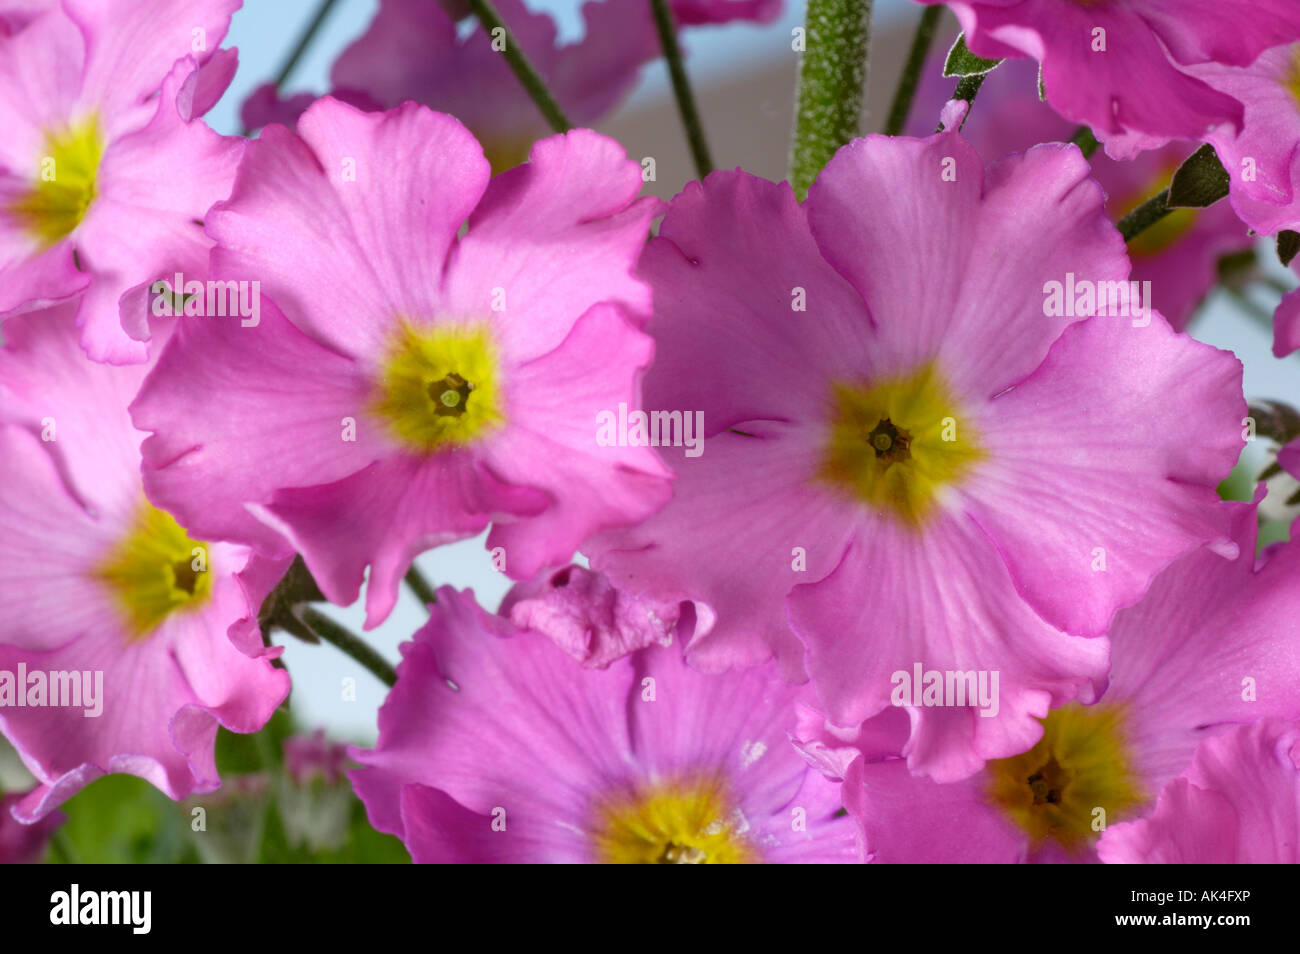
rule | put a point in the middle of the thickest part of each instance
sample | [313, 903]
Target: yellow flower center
[1293, 77]
[1078, 779]
[503, 154]
[895, 442]
[440, 386]
[65, 184]
[676, 823]
[156, 570]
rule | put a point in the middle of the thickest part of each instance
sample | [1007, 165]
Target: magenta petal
[589, 618]
[495, 734]
[911, 820]
[132, 44]
[689, 12]
[189, 457]
[23, 844]
[1214, 642]
[333, 191]
[208, 84]
[1130, 93]
[385, 515]
[551, 445]
[1194, 30]
[885, 610]
[733, 250]
[1238, 803]
[743, 494]
[1055, 457]
[930, 267]
[556, 236]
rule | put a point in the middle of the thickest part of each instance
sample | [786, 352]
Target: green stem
[911, 75]
[682, 87]
[1144, 216]
[421, 587]
[523, 68]
[832, 79]
[967, 88]
[304, 41]
[1085, 140]
[350, 643]
[1282, 288]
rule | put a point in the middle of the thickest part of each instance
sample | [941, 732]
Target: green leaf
[1238, 485]
[239, 754]
[122, 819]
[360, 845]
[962, 62]
[1288, 244]
[1277, 421]
[1200, 181]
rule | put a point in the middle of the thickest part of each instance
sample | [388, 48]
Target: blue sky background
[265, 30]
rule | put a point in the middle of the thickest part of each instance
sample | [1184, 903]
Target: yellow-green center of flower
[64, 184]
[156, 570]
[1078, 779]
[440, 385]
[689, 822]
[1293, 75]
[895, 442]
[503, 154]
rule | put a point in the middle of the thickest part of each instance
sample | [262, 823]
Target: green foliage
[962, 62]
[258, 815]
[1200, 181]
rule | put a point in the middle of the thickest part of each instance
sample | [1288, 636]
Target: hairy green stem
[967, 88]
[832, 80]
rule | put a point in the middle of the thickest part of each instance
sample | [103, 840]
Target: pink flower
[910, 449]
[1179, 255]
[135, 639]
[22, 844]
[1263, 156]
[16, 14]
[689, 12]
[412, 50]
[1214, 644]
[407, 388]
[1115, 66]
[591, 619]
[105, 174]
[1289, 458]
[1286, 324]
[495, 747]
[308, 756]
[1238, 803]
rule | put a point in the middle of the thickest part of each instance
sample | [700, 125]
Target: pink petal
[887, 608]
[555, 235]
[551, 448]
[300, 207]
[1061, 482]
[931, 263]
